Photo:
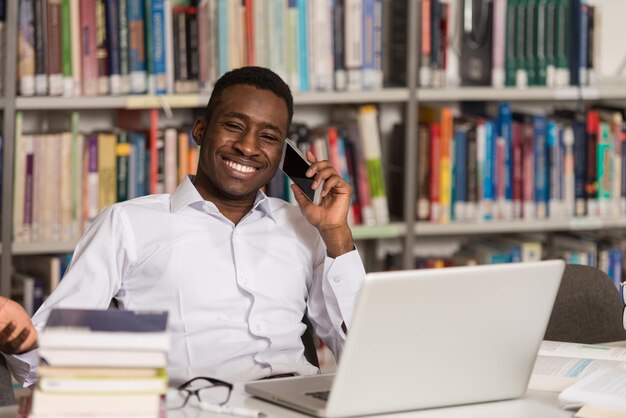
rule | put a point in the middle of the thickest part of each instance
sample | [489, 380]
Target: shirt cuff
[345, 274]
[24, 367]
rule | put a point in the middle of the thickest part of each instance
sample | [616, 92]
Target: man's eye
[234, 126]
[269, 137]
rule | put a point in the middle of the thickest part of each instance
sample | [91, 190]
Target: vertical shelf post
[410, 135]
[8, 134]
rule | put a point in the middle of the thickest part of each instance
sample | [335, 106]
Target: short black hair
[259, 77]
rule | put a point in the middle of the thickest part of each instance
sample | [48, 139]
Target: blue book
[303, 46]
[222, 36]
[136, 46]
[580, 167]
[112, 320]
[460, 174]
[488, 169]
[504, 131]
[540, 165]
[113, 45]
[139, 162]
[369, 71]
[555, 169]
[157, 82]
[575, 42]
[584, 42]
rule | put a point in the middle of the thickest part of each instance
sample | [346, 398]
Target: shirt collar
[186, 194]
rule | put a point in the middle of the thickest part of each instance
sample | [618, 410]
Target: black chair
[588, 308]
[7, 397]
[308, 339]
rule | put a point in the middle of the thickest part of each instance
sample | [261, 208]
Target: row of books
[102, 363]
[351, 142]
[62, 180]
[544, 42]
[35, 277]
[86, 47]
[603, 250]
[516, 165]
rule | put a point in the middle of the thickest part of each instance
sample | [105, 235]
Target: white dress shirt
[236, 294]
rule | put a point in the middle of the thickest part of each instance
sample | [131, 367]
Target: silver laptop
[431, 338]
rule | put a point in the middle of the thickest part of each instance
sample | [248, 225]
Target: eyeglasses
[205, 389]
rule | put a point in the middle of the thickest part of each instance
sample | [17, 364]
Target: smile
[240, 168]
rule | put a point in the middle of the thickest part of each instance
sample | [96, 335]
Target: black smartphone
[295, 165]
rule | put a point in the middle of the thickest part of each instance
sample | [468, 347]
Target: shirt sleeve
[100, 261]
[336, 285]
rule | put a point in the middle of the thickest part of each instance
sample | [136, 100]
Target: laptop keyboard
[321, 395]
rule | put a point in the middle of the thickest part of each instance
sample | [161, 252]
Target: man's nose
[247, 143]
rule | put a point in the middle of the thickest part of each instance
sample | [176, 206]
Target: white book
[98, 385]
[354, 43]
[561, 364]
[47, 404]
[499, 36]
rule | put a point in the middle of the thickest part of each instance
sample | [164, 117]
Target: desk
[535, 404]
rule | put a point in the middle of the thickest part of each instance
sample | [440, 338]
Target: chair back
[308, 339]
[7, 397]
[587, 309]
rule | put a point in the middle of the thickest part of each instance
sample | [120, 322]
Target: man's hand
[331, 216]
[17, 334]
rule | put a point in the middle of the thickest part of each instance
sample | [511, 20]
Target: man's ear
[198, 130]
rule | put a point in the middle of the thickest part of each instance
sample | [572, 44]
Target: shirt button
[244, 280]
[336, 279]
[258, 327]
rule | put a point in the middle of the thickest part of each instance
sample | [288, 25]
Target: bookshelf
[408, 230]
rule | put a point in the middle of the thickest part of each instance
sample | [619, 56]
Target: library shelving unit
[11, 103]
[408, 230]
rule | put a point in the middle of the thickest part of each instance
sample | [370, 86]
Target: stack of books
[102, 363]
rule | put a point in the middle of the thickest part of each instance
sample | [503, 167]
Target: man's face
[241, 144]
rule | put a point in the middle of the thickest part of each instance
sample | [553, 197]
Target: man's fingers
[7, 331]
[17, 342]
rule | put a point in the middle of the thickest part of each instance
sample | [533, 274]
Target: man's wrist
[338, 240]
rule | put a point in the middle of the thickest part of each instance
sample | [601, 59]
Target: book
[602, 389]
[561, 364]
[81, 329]
[46, 404]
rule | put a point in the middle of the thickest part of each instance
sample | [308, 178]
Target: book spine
[604, 169]
[136, 46]
[303, 42]
[89, 60]
[550, 37]
[26, 49]
[123, 29]
[528, 171]
[123, 150]
[575, 21]
[55, 44]
[517, 170]
[425, 44]
[75, 28]
[521, 68]
[222, 36]
[41, 48]
[541, 33]
[562, 41]
[504, 129]
[569, 176]
[510, 57]
[66, 48]
[92, 196]
[591, 170]
[472, 173]
[106, 169]
[354, 43]
[499, 42]
[158, 81]
[540, 167]
[423, 153]
[102, 51]
[580, 165]
[584, 43]
[191, 34]
[530, 41]
[113, 45]
[460, 179]
[435, 172]
[555, 170]
[340, 76]
[435, 41]
[446, 158]
[203, 48]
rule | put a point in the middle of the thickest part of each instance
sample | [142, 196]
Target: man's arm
[17, 334]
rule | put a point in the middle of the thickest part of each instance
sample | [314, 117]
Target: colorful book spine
[55, 47]
[540, 167]
[112, 14]
[26, 48]
[123, 46]
[89, 60]
[604, 166]
[66, 48]
[303, 42]
[136, 47]
[102, 50]
[41, 48]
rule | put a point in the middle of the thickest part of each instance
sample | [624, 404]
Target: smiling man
[236, 270]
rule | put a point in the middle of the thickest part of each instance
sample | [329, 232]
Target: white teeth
[240, 168]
